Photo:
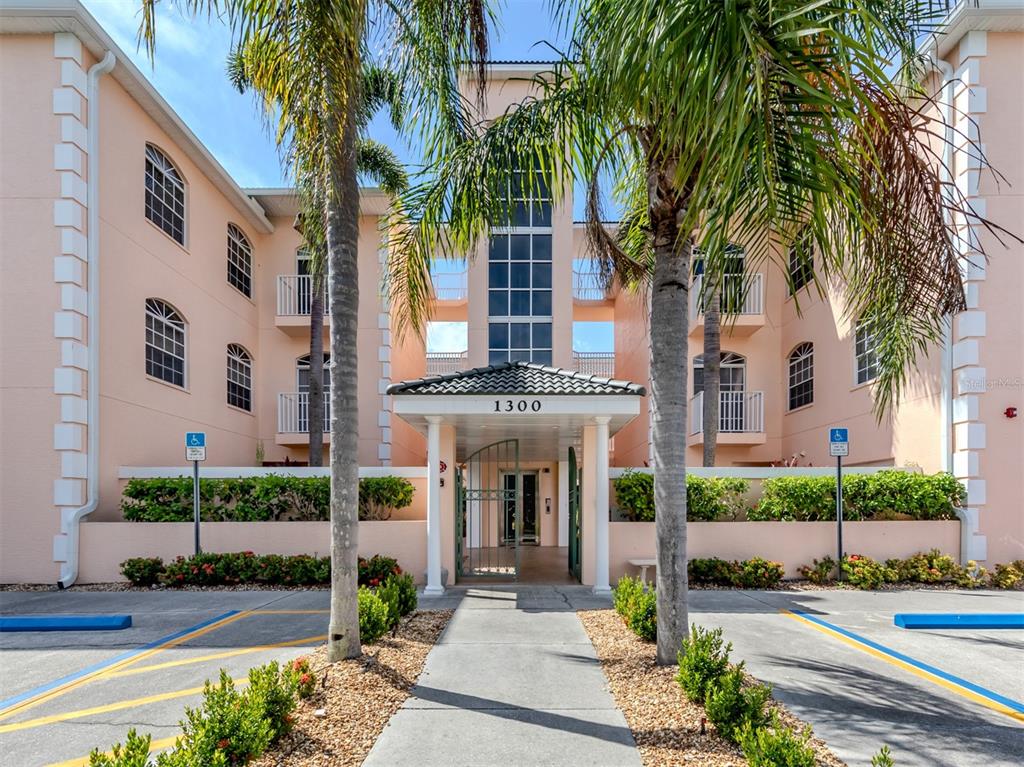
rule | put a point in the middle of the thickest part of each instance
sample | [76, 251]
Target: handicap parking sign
[195, 446]
[838, 442]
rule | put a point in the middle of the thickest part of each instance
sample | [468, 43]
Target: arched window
[239, 261]
[801, 376]
[733, 373]
[865, 351]
[302, 373]
[165, 342]
[165, 194]
[239, 377]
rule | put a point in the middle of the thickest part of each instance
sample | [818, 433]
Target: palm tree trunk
[343, 278]
[669, 321]
[315, 406]
[712, 370]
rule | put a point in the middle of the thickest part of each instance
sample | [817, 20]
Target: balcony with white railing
[740, 418]
[741, 302]
[442, 363]
[587, 283]
[294, 299]
[594, 363]
[293, 417]
[450, 284]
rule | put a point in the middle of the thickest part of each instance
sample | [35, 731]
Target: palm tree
[712, 356]
[721, 121]
[305, 58]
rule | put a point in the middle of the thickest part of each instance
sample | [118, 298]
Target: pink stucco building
[144, 294]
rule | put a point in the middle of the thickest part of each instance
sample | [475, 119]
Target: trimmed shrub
[1007, 576]
[703, 659]
[374, 616]
[712, 571]
[305, 679]
[707, 499]
[625, 593]
[776, 746]
[821, 571]
[643, 615]
[732, 705]
[863, 572]
[377, 569]
[380, 496]
[143, 571]
[755, 573]
[970, 576]
[399, 594]
[257, 499]
[758, 573]
[882, 495]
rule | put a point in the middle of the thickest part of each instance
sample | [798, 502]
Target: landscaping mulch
[669, 730]
[354, 700]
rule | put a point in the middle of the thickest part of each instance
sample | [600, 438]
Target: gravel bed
[669, 730]
[354, 700]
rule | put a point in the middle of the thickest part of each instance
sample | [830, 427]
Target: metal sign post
[838, 446]
[195, 451]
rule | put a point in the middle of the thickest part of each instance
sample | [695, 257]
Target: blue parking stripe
[4, 704]
[977, 689]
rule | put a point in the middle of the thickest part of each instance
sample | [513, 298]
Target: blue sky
[188, 71]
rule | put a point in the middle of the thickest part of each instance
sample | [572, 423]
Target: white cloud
[446, 337]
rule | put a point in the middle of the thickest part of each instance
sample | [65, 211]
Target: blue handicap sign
[839, 435]
[195, 439]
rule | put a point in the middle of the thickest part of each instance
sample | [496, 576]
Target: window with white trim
[801, 263]
[165, 194]
[165, 342]
[239, 377]
[239, 261]
[865, 352]
[519, 278]
[801, 376]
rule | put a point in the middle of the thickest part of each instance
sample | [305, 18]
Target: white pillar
[563, 502]
[434, 586]
[601, 585]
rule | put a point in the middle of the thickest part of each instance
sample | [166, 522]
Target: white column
[601, 585]
[434, 506]
[563, 501]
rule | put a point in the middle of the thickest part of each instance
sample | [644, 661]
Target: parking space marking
[217, 656]
[993, 700]
[83, 761]
[50, 690]
[116, 706]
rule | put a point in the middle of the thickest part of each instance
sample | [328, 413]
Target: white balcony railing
[293, 412]
[588, 285]
[442, 363]
[293, 295]
[449, 286]
[741, 294]
[594, 363]
[739, 412]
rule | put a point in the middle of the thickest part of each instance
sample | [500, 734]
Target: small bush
[375, 570]
[273, 694]
[374, 617]
[407, 599]
[732, 705]
[643, 615]
[776, 746]
[883, 758]
[755, 573]
[970, 576]
[379, 497]
[759, 573]
[712, 571]
[930, 567]
[625, 593]
[394, 593]
[703, 659]
[1006, 576]
[133, 753]
[863, 572]
[821, 571]
[707, 499]
[304, 678]
[634, 494]
[143, 571]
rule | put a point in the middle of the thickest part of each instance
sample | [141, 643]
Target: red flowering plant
[375, 570]
[303, 676]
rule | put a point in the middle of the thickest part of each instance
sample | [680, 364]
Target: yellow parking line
[290, 612]
[118, 706]
[83, 761]
[100, 673]
[952, 686]
[218, 655]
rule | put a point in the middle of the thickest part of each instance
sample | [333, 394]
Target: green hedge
[707, 499]
[882, 495]
[270, 498]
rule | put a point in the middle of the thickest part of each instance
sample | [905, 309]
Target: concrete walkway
[514, 680]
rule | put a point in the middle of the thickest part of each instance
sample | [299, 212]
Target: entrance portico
[546, 418]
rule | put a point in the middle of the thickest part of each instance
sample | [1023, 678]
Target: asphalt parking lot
[937, 698]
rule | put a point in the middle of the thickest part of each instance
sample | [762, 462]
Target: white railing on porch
[293, 295]
[449, 285]
[587, 284]
[293, 412]
[741, 294]
[442, 363]
[739, 412]
[594, 363]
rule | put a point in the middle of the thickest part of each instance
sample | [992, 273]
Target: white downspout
[69, 525]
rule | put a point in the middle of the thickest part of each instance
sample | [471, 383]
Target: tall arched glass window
[239, 261]
[239, 377]
[865, 352]
[165, 194]
[801, 376]
[165, 342]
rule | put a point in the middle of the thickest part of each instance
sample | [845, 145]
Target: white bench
[643, 564]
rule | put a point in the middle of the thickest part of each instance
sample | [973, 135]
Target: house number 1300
[510, 406]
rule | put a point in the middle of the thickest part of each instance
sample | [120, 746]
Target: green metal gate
[575, 539]
[488, 509]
